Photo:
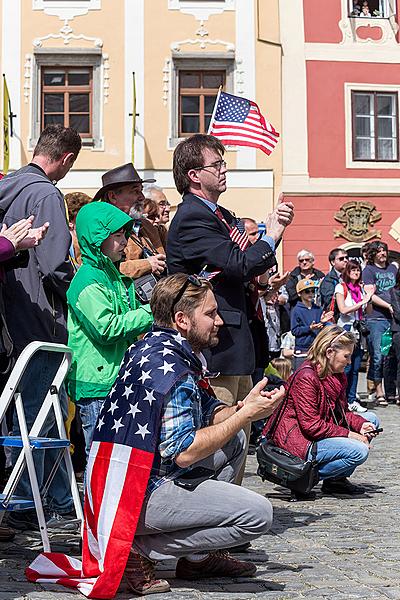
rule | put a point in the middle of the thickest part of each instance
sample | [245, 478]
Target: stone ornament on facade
[357, 218]
[66, 34]
[66, 9]
[201, 11]
[202, 40]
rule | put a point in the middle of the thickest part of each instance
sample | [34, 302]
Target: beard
[136, 213]
[200, 341]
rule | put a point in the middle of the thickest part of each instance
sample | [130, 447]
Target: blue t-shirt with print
[384, 279]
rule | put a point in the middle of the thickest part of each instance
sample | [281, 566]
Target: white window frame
[73, 4]
[211, 62]
[370, 87]
[387, 7]
[87, 57]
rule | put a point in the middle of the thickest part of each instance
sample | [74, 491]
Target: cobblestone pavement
[330, 548]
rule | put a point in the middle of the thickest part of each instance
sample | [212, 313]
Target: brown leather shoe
[139, 575]
[6, 533]
[216, 564]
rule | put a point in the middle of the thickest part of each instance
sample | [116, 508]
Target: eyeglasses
[191, 279]
[217, 165]
[164, 203]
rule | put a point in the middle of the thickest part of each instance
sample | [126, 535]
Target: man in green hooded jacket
[104, 316]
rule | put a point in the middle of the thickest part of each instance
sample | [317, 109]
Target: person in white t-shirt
[351, 300]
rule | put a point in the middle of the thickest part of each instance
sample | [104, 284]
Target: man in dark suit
[199, 238]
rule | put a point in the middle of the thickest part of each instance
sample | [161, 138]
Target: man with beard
[192, 511]
[123, 187]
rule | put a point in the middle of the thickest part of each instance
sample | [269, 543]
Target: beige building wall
[147, 37]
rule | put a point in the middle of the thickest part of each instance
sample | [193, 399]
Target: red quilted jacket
[313, 411]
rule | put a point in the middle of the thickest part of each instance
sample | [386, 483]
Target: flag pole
[6, 130]
[133, 116]
[214, 109]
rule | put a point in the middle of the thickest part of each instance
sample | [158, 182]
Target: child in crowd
[104, 316]
[306, 320]
[75, 201]
[283, 366]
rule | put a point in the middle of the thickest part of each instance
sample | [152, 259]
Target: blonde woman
[316, 410]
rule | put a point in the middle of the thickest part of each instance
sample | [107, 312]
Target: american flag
[119, 465]
[239, 235]
[239, 122]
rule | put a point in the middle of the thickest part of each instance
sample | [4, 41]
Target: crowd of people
[200, 313]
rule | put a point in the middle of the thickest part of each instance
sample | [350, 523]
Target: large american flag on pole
[238, 122]
[119, 466]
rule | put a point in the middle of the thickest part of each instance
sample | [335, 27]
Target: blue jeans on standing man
[376, 329]
[352, 371]
[339, 456]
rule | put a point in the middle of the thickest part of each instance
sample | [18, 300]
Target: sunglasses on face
[342, 258]
[311, 291]
[301, 260]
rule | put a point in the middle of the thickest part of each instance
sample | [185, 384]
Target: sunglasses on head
[191, 279]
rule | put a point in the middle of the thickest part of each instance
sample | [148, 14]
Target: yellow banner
[133, 117]
[6, 133]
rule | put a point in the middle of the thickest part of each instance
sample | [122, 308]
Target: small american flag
[239, 122]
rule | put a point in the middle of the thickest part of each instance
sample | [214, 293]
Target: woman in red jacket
[317, 411]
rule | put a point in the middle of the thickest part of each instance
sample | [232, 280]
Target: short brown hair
[189, 155]
[165, 292]
[56, 140]
[75, 201]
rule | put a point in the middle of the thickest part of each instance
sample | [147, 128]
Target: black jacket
[197, 238]
[327, 288]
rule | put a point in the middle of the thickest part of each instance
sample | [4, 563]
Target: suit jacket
[197, 238]
[134, 264]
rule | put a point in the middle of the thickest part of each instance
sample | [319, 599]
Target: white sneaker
[356, 407]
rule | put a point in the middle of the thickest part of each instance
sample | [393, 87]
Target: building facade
[72, 62]
[340, 137]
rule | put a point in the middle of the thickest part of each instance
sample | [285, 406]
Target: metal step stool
[31, 441]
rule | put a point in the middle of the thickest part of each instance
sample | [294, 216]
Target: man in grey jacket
[35, 297]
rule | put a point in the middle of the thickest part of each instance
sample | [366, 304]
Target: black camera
[361, 327]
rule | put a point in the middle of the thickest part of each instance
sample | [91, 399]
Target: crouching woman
[316, 410]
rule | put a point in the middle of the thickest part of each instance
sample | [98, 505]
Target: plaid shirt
[186, 409]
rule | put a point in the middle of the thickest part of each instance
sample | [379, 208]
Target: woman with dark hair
[380, 273]
[316, 410]
[351, 300]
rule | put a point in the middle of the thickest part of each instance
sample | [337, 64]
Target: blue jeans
[339, 456]
[376, 328]
[352, 373]
[34, 385]
[89, 409]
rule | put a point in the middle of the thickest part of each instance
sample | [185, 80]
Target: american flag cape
[238, 122]
[119, 465]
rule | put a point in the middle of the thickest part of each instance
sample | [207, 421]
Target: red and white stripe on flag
[239, 122]
[116, 481]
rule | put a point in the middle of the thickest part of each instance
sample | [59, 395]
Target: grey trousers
[217, 514]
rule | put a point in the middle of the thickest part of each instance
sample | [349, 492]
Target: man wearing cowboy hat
[123, 187]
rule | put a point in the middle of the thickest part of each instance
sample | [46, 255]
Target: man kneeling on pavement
[192, 511]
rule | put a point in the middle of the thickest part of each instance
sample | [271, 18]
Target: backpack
[333, 305]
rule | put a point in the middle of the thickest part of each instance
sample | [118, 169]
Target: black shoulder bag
[280, 466]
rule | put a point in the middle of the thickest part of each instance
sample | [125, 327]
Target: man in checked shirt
[193, 511]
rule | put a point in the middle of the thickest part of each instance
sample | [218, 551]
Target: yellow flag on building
[6, 131]
[133, 117]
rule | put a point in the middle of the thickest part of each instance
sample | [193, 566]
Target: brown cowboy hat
[120, 176]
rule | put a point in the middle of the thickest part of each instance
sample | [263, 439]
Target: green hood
[94, 223]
